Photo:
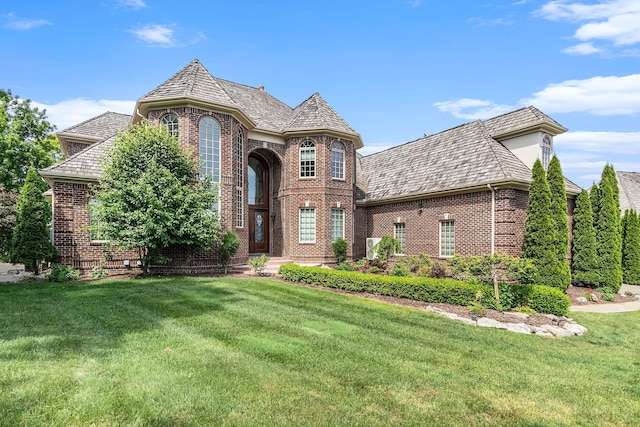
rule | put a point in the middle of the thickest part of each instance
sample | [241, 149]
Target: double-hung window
[307, 159]
[337, 160]
[399, 233]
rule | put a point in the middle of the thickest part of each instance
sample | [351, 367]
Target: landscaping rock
[582, 300]
[519, 328]
[575, 328]
[557, 331]
[518, 314]
[490, 323]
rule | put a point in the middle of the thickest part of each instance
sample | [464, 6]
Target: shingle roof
[84, 165]
[462, 157]
[519, 119]
[99, 127]
[629, 190]
[315, 113]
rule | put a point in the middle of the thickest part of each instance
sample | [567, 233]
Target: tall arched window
[170, 121]
[337, 160]
[307, 159]
[240, 179]
[209, 132]
[546, 149]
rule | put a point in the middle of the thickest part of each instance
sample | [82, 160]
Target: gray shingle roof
[315, 113]
[519, 119]
[462, 157]
[629, 190]
[99, 127]
[84, 165]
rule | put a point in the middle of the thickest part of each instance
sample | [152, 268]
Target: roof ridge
[487, 136]
[90, 119]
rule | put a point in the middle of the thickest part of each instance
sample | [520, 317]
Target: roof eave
[547, 126]
[51, 176]
[143, 107]
[355, 137]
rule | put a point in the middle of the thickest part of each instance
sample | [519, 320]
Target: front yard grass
[223, 351]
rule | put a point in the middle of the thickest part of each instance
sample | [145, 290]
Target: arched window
[337, 160]
[307, 159]
[209, 133]
[240, 179]
[546, 149]
[170, 121]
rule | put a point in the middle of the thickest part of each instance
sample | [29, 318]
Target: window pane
[307, 225]
[447, 238]
[209, 133]
[337, 160]
[337, 224]
[399, 233]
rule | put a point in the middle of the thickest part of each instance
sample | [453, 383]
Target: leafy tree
[25, 140]
[608, 232]
[585, 262]
[555, 180]
[386, 247]
[539, 237]
[339, 247]
[228, 248]
[631, 247]
[149, 198]
[8, 201]
[30, 243]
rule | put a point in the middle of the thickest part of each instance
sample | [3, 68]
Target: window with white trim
[170, 122]
[307, 159]
[209, 134]
[546, 150]
[307, 227]
[447, 239]
[337, 224]
[240, 179]
[337, 160]
[399, 233]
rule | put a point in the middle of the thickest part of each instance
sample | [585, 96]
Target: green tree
[539, 237]
[30, 243]
[585, 262]
[228, 247]
[594, 196]
[608, 232]
[25, 140]
[8, 201]
[631, 248]
[149, 197]
[387, 247]
[555, 180]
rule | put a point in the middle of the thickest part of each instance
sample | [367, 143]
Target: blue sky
[393, 69]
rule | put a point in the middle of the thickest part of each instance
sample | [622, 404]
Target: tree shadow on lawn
[56, 321]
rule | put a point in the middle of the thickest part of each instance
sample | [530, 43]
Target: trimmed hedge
[540, 298]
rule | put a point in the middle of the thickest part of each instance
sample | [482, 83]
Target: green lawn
[202, 351]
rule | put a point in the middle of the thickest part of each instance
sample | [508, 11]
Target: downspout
[493, 219]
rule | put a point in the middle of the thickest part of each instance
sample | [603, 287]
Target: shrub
[609, 232]
[416, 262]
[386, 247]
[339, 247]
[98, 272]
[543, 299]
[584, 262]
[424, 271]
[525, 310]
[344, 266]
[63, 273]
[487, 268]
[258, 264]
[438, 271]
[400, 270]
[228, 248]
[477, 308]
[606, 294]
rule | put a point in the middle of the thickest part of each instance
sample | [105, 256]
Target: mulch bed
[574, 292]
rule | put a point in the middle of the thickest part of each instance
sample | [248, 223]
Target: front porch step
[272, 267]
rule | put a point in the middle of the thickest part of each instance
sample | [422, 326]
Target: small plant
[228, 248]
[525, 310]
[589, 296]
[415, 263]
[438, 271]
[424, 271]
[400, 270]
[477, 308]
[606, 294]
[339, 247]
[258, 264]
[629, 293]
[386, 247]
[63, 273]
[98, 272]
[345, 266]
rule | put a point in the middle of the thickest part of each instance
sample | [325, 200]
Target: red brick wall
[74, 147]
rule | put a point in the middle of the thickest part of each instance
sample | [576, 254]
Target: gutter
[493, 219]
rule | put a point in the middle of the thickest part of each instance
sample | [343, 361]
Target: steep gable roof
[522, 120]
[629, 190]
[82, 166]
[99, 127]
[315, 113]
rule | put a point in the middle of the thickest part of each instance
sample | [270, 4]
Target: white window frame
[338, 167]
[302, 238]
[239, 199]
[171, 123]
[210, 126]
[400, 233]
[339, 212]
[447, 226]
[546, 150]
[309, 167]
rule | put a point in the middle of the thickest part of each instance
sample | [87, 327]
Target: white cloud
[132, 4]
[472, 109]
[484, 22]
[601, 142]
[614, 21]
[155, 35]
[23, 24]
[582, 49]
[604, 96]
[73, 111]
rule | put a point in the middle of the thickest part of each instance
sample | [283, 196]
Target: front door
[258, 175]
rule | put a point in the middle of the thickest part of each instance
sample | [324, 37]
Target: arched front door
[258, 174]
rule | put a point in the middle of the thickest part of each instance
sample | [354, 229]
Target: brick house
[291, 181]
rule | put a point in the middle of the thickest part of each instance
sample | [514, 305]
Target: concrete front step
[272, 267]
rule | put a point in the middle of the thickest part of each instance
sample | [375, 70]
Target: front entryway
[258, 175]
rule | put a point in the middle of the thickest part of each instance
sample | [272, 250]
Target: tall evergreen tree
[30, 243]
[608, 232]
[631, 248]
[594, 195]
[555, 179]
[538, 237]
[585, 263]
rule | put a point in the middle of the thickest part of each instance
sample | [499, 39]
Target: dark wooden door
[258, 230]
[258, 174]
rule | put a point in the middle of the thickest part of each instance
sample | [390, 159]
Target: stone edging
[567, 328]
